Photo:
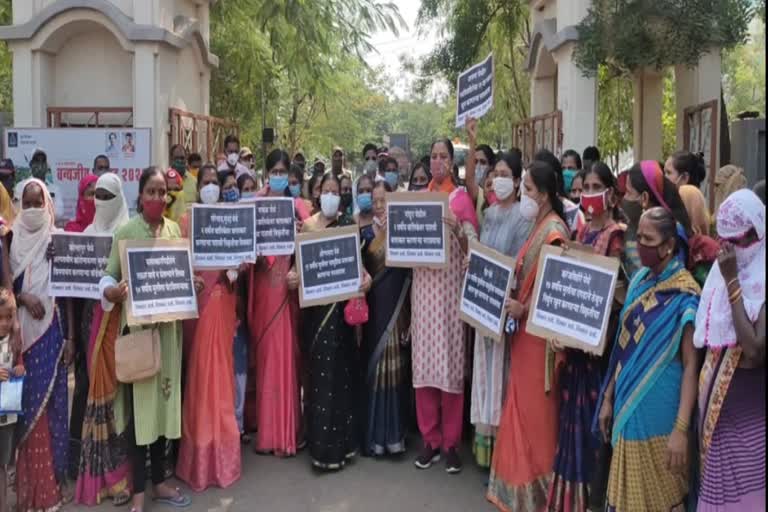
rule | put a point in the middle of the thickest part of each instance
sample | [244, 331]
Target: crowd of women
[671, 416]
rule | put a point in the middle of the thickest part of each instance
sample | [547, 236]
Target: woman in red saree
[521, 467]
[209, 452]
[272, 396]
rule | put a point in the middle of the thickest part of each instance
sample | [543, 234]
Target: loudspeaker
[268, 135]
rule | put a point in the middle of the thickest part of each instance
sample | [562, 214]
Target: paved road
[368, 485]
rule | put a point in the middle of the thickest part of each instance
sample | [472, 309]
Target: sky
[390, 48]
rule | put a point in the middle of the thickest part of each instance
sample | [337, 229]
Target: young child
[10, 365]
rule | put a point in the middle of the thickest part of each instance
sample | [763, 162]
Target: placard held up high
[474, 91]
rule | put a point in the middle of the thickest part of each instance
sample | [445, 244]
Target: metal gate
[700, 135]
[540, 132]
[200, 133]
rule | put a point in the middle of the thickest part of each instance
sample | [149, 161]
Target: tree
[6, 64]
[744, 73]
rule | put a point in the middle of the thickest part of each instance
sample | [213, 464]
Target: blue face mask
[248, 195]
[568, 175]
[391, 178]
[278, 183]
[231, 195]
[295, 190]
[365, 202]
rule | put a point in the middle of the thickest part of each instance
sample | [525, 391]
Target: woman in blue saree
[383, 357]
[650, 391]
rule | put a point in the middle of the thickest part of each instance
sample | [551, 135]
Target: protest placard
[474, 91]
[416, 233]
[78, 264]
[222, 235]
[485, 290]
[160, 280]
[572, 299]
[329, 266]
[275, 226]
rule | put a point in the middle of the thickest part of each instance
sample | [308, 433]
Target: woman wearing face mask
[229, 191]
[648, 397]
[246, 184]
[154, 404]
[573, 214]
[577, 186]
[331, 356]
[703, 250]
[646, 187]
[438, 333]
[383, 357]
[176, 203]
[346, 196]
[296, 183]
[209, 452]
[571, 166]
[521, 471]
[420, 178]
[685, 168]
[82, 318]
[480, 163]
[189, 180]
[273, 402]
[730, 324]
[104, 468]
[577, 482]
[42, 428]
[365, 218]
[505, 230]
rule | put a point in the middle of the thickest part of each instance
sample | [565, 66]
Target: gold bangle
[735, 300]
[681, 425]
[735, 296]
[734, 280]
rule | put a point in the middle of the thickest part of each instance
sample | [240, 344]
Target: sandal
[121, 499]
[178, 501]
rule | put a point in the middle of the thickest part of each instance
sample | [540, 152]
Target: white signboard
[474, 91]
[71, 152]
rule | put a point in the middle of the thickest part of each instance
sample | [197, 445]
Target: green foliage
[614, 115]
[633, 34]
[6, 65]
[471, 29]
[744, 74]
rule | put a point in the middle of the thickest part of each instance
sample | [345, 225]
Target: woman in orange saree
[521, 467]
[209, 452]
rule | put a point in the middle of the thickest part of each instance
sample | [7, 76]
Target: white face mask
[232, 159]
[370, 166]
[107, 209]
[504, 187]
[529, 208]
[209, 194]
[329, 203]
[34, 218]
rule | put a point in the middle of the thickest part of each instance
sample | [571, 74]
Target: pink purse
[356, 311]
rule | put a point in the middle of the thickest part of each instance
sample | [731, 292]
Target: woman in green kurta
[151, 409]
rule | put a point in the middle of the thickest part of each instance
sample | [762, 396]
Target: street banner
[416, 233]
[78, 264]
[474, 91]
[572, 299]
[70, 153]
[485, 289]
[223, 236]
[275, 226]
[160, 281]
[329, 266]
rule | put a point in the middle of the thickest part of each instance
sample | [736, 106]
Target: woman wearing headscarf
[702, 250]
[649, 394]
[152, 406]
[730, 324]
[42, 429]
[728, 179]
[81, 309]
[104, 467]
[209, 451]
[438, 335]
[86, 208]
[646, 187]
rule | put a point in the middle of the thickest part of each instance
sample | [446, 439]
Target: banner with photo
[70, 153]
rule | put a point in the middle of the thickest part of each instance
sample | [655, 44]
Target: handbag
[138, 356]
[356, 311]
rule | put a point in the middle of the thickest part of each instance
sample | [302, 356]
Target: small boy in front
[10, 365]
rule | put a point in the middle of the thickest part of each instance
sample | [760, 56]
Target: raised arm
[469, 175]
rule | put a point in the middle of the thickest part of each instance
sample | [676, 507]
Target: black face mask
[415, 188]
[633, 210]
[346, 199]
